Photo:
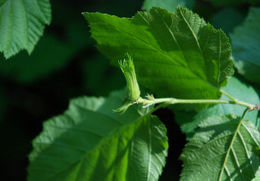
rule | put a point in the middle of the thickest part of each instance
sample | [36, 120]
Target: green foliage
[222, 149]
[190, 120]
[170, 5]
[175, 54]
[90, 142]
[179, 58]
[247, 54]
[21, 24]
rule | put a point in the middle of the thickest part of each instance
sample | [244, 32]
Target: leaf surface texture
[175, 54]
[222, 149]
[91, 142]
[21, 24]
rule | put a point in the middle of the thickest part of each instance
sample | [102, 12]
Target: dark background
[65, 64]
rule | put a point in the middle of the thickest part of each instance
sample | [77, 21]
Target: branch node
[256, 107]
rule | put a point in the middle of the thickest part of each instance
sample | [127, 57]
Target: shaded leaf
[170, 5]
[222, 149]
[246, 46]
[21, 24]
[91, 142]
[175, 54]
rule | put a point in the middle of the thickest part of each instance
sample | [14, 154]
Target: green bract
[128, 69]
[175, 54]
[21, 24]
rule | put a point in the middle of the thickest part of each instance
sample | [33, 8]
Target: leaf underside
[175, 54]
[246, 46]
[211, 153]
[21, 24]
[91, 142]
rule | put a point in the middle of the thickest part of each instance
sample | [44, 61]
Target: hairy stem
[150, 100]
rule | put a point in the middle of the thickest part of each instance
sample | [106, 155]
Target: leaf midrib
[170, 58]
[237, 132]
[101, 141]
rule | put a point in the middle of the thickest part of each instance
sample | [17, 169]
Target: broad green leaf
[21, 24]
[170, 5]
[222, 149]
[49, 56]
[91, 142]
[246, 46]
[190, 120]
[175, 54]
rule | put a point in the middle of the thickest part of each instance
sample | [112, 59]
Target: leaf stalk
[150, 100]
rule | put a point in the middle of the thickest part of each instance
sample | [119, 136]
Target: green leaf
[170, 5]
[175, 54]
[222, 149]
[246, 46]
[91, 142]
[21, 24]
[190, 120]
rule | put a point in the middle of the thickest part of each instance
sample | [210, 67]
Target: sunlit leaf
[91, 142]
[175, 54]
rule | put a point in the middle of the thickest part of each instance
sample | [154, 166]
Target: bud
[128, 69]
